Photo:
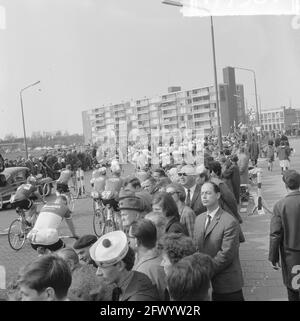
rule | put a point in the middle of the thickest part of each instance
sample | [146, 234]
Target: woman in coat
[243, 164]
[164, 203]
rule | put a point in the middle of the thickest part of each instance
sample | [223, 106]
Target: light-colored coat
[243, 164]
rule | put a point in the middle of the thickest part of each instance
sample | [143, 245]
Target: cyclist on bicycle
[24, 197]
[112, 188]
[114, 183]
[48, 222]
[63, 181]
[100, 180]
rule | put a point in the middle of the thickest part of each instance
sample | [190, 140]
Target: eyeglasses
[182, 174]
[172, 193]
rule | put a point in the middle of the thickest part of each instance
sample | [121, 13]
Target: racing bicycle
[105, 218]
[19, 229]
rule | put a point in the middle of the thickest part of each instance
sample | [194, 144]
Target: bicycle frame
[21, 216]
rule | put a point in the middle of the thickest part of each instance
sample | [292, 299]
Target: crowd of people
[180, 236]
[52, 162]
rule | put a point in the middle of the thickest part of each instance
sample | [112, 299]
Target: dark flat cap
[131, 203]
[291, 179]
[85, 241]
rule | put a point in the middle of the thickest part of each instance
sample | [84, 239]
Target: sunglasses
[172, 193]
[182, 174]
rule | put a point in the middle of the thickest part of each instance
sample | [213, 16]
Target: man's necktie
[116, 294]
[188, 198]
[208, 220]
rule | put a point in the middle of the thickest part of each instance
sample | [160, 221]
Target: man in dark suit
[253, 151]
[285, 237]
[216, 233]
[187, 178]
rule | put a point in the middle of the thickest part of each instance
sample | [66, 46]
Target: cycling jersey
[114, 184]
[24, 192]
[99, 184]
[65, 176]
[51, 215]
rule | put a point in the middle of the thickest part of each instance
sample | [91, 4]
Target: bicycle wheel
[16, 234]
[47, 189]
[44, 191]
[109, 226]
[98, 222]
[94, 206]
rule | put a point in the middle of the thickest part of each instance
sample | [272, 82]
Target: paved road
[261, 281]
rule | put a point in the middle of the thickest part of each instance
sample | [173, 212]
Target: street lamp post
[216, 84]
[23, 120]
[178, 4]
[149, 136]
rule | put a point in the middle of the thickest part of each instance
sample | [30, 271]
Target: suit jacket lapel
[213, 223]
[196, 194]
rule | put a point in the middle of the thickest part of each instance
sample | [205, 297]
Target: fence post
[2, 277]
[260, 208]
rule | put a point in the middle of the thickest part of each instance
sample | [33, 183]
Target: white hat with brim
[110, 249]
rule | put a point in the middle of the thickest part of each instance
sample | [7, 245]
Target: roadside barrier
[2, 278]
[260, 204]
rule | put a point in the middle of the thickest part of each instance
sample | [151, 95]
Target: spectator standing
[163, 204]
[149, 185]
[148, 259]
[236, 178]
[134, 185]
[227, 200]
[227, 172]
[47, 278]
[115, 260]
[270, 154]
[84, 279]
[187, 178]
[82, 247]
[161, 180]
[132, 210]
[188, 280]
[175, 246]
[254, 151]
[217, 234]
[283, 153]
[243, 164]
[187, 215]
[284, 235]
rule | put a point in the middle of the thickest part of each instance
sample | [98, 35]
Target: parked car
[12, 177]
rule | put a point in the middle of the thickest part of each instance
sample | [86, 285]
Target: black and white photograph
[150, 151]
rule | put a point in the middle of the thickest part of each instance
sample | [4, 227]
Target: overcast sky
[87, 53]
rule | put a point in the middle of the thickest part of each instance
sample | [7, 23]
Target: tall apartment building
[280, 119]
[178, 113]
